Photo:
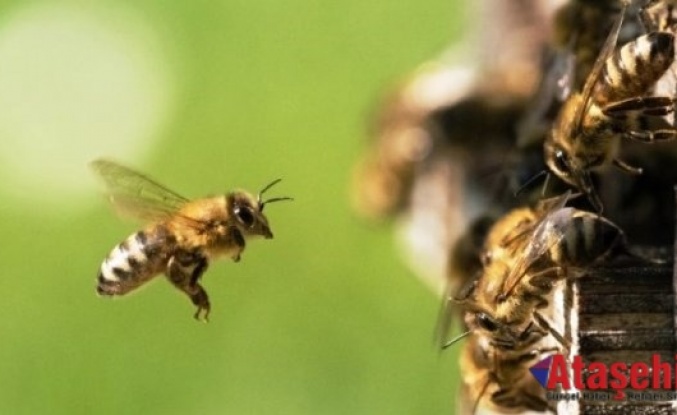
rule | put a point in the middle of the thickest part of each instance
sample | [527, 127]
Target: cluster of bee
[608, 87]
[513, 307]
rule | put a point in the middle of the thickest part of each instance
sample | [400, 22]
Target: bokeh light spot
[76, 84]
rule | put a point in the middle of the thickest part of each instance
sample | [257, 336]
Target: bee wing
[552, 204]
[554, 88]
[134, 194]
[563, 68]
[596, 71]
[542, 239]
[534, 251]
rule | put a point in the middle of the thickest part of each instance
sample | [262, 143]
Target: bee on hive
[613, 103]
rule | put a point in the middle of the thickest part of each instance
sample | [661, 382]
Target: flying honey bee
[183, 237]
[613, 103]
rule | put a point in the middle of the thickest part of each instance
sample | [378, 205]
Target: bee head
[569, 170]
[247, 211]
[484, 324]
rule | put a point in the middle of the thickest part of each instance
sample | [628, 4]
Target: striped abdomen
[134, 261]
[634, 69]
[587, 239]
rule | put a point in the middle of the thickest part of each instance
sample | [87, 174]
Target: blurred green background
[206, 96]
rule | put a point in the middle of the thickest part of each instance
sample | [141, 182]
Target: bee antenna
[278, 199]
[262, 203]
[530, 181]
[545, 185]
[275, 199]
[456, 340]
[268, 186]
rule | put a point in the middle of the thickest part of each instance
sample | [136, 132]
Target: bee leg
[649, 106]
[528, 357]
[535, 402]
[626, 167]
[535, 353]
[643, 116]
[543, 322]
[511, 398]
[652, 136]
[237, 237]
[532, 333]
[183, 271]
[545, 279]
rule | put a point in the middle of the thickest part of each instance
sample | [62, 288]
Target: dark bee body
[183, 238]
[613, 103]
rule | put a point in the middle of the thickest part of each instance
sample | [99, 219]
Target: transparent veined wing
[135, 194]
[596, 72]
[546, 234]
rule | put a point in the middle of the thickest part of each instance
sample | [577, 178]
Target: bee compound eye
[486, 322]
[561, 163]
[245, 216]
